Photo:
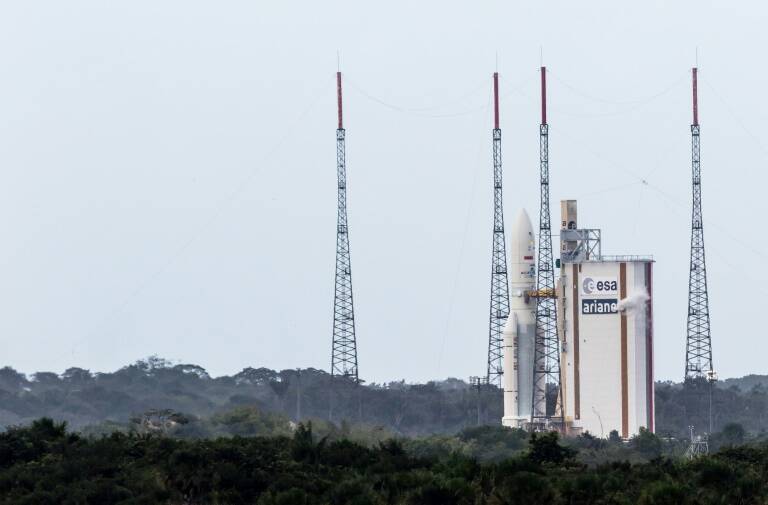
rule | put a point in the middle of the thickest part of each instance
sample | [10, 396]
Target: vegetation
[43, 463]
[85, 399]
[154, 432]
[680, 405]
[137, 396]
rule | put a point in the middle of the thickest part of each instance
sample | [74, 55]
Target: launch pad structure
[593, 350]
[606, 335]
[573, 353]
[587, 362]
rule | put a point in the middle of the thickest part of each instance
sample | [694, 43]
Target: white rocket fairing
[519, 331]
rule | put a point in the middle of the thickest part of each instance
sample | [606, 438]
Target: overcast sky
[168, 179]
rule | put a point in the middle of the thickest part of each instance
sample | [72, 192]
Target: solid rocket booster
[519, 331]
[511, 386]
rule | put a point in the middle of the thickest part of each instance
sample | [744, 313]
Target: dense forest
[155, 432]
[154, 388]
[43, 463]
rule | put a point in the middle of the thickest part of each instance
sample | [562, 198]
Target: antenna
[499, 310]
[695, 97]
[544, 96]
[338, 97]
[495, 100]
[547, 396]
[344, 345]
[698, 355]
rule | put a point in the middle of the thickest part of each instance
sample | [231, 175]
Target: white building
[606, 331]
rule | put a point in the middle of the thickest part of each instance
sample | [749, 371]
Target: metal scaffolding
[499, 282]
[698, 355]
[344, 348]
[547, 398]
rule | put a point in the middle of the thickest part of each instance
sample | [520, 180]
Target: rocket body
[519, 331]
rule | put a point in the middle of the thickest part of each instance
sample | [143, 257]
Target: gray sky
[167, 172]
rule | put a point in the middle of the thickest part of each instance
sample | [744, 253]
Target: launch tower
[499, 282]
[344, 348]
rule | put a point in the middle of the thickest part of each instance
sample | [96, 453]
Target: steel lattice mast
[499, 284]
[546, 370]
[698, 354]
[344, 349]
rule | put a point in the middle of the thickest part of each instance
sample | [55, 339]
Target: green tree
[522, 488]
[544, 448]
[733, 434]
[663, 493]
[647, 444]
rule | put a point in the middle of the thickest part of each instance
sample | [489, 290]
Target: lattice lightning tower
[344, 349]
[499, 284]
[698, 354]
[546, 369]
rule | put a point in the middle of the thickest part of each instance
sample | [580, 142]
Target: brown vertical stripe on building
[575, 302]
[624, 371]
[649, 347]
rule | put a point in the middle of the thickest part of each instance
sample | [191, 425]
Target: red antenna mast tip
[338, 96]
[695, 96]
[543, 95]
[496, 100]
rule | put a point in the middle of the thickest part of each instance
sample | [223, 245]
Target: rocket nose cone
[522, 252]
[522, 223]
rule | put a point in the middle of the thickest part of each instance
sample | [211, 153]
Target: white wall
[600, 353]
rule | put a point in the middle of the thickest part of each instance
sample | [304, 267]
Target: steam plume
[634, 302]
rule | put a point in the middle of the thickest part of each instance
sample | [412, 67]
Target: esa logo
[599, 286]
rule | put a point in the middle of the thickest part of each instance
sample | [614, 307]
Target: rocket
[519, 331]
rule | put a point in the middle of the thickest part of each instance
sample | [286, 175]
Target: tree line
[140, 392]
[44, 463]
